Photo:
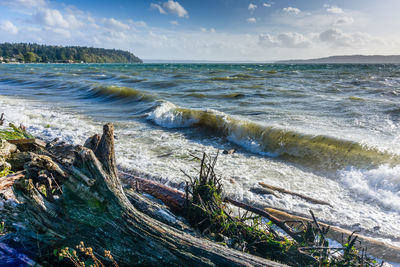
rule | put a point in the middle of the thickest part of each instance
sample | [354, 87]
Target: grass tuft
[83, 256]
[250, 233]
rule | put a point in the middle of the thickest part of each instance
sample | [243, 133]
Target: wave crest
[308, 150]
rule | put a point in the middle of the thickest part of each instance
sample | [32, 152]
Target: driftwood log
[92, 207]
[285, 191]
[176, 200]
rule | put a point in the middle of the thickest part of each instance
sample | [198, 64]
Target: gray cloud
[286, 40]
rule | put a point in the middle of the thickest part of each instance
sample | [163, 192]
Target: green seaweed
[13, 132]
[5, 172]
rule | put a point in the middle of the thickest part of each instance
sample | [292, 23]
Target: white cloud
[51, 17]
[9, 27]
[252, 7]
[158, 7]
[267, 5]
[174, 22]
[287, 40]
[334, 9]
[291, 10]
[175, 8]
[293, 40]
[344, 21]
[335, 37]
[64, 33]
[171, 7]
[202, 29]
[24, 3]
[252, 20]
[139, 23]
[115, 24]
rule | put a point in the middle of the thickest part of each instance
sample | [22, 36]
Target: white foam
[380, 185]
[141, 146]
[167, 115]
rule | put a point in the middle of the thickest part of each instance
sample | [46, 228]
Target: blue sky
[253, 30]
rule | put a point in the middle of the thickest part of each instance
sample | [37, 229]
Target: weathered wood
[18, 160]
[172, 197]
[105, 150]
[94, 208]
[375, 247]
[28, 144]
[6, 150]
[263, 191]
[285, 191]
[93, 142]
[7, 182]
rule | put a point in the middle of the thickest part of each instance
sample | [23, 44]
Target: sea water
[330, 132]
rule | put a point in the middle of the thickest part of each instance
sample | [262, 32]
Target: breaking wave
[307, 149]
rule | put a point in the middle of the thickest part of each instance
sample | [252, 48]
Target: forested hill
[23, 52]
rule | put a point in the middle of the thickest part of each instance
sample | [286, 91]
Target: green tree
[30, 57]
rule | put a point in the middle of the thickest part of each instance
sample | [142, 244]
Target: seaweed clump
[293, 243]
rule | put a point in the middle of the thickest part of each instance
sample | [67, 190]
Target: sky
[217, 30]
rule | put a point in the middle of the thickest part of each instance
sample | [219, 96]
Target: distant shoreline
[352, 59]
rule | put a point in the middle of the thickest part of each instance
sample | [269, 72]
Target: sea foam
[380, 185]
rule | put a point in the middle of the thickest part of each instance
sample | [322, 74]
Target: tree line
[27, 52]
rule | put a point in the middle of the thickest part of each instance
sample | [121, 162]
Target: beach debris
[2, 119]
[92, 142]
[375, 247]
[71, 192]
[263, 191]
[25, 145]
[229, 152]
[173, 198]
[22, 127]
[285, 191]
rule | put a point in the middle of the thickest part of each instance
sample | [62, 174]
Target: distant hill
[23, 52]
[354, 59]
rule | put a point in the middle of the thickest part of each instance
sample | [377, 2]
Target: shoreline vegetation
[56, 197]
[14, 53]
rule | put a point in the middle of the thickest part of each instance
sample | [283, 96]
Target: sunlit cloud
[291, 10]
[175, 8]
[252, 7]
[333, 9]
[8, 27]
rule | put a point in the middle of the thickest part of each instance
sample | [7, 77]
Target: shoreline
[88, 140]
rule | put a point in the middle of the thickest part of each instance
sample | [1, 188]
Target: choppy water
[329, 131]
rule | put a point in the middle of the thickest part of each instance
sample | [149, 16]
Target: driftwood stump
[91, 206]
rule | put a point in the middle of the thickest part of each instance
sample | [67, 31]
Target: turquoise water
[328, 131]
